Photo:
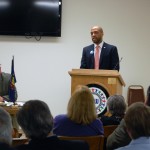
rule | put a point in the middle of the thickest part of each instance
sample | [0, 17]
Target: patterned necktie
[97, 57]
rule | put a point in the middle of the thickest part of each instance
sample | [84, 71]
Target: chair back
[19, 141]
[94, 142]
[135, 94]
[109, 129]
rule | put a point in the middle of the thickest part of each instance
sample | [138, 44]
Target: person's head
[5, 127]
[97, 34]
[81, 106]
[137, 119]
[116, 105]
[148, 96]
[35, 119]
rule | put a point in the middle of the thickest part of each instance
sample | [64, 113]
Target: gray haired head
[5, 127]
[116, 105]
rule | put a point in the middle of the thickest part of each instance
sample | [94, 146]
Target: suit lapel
[92, 57]
[103, 50]
[91, 54]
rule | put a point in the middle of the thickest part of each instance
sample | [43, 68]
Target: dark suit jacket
[112, 120]
[54, 143]
[4, 146]
[109, 58]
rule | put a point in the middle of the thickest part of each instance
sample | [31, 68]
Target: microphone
[118, 63]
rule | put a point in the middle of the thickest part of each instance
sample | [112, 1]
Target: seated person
[116, 108]
[4, 93]
[120, 137]
[4, 87]
[137, 122]
[81, 118]
[36, 120]
[5, 130]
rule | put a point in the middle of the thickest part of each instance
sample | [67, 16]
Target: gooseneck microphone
[118, 63]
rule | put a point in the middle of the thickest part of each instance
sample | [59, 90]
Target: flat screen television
[30, 17]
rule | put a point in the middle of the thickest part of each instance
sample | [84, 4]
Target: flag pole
[12, 89]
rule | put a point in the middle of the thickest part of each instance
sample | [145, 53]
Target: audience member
[4, 86]
[120, 137]
[116, 108]
[5, 130]
[4, 90]
[138, 126]
[81, 118]
[36, 121]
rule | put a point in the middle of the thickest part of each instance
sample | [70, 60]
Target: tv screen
[30, 17]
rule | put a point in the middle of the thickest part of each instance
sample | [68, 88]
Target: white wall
[42, 66]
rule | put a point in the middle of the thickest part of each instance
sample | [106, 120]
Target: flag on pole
[12, 89]
[0, 70]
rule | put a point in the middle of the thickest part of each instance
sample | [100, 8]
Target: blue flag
[12, 89]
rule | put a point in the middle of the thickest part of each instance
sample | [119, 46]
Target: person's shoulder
[97, 121]
[128, 147]
[88, 46]
[4, 146]
[6, 75]
[55, 143]
[61, 117]
[74, 145]
[108, 45]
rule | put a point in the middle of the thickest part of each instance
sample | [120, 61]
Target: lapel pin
[91, 52]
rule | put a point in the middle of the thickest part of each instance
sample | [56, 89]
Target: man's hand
[1, 99]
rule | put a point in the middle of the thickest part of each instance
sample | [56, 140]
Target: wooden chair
[135, 94]
[95, 142]
[16, 133]
[19, 138]
[107, 131]
[19, 141]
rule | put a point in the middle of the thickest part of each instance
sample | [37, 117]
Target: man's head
[35, 119]
[5, 127]
[97, 34]
[137, 120]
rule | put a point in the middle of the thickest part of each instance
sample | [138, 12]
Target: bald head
[97, 28]
[97, 34]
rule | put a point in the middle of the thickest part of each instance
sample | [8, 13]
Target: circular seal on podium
[100, 96]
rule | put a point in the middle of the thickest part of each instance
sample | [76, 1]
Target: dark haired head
[35, 119]
[137, 119]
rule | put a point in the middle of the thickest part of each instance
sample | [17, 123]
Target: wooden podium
[110, 80]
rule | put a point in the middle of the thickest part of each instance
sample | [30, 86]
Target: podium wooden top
[94, 72]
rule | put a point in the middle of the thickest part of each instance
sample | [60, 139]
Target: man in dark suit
[108, 54]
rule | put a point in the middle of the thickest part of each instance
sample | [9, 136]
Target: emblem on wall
[100, 96]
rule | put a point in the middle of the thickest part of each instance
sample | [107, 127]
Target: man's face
[96, 35]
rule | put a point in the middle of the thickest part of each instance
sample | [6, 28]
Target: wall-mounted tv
[30, 17]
